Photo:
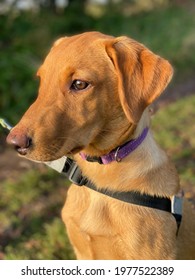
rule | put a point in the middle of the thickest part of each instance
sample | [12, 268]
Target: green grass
[30, 221]
[175, 131]
[49, 242]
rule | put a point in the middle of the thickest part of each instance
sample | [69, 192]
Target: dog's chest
[103, 228]
[90, 212]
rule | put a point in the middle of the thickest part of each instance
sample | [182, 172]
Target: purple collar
[119, 153]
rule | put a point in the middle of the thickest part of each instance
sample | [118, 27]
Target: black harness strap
[74, 174]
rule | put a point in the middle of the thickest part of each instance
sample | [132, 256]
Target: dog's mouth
[75, 150]
[36, 156]
[23, 151]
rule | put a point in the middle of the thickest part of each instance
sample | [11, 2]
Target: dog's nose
[20, 141]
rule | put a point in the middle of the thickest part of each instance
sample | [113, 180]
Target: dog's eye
[79, 85]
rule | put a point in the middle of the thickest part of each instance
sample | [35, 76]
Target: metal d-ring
[117, 159]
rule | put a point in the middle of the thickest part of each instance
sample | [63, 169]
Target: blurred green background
[31, 196]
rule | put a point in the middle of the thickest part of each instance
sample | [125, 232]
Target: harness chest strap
[173, 206]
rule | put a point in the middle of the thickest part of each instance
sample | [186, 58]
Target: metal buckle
[116, 158]
[176, 203]
[75, 175]
[176, 208]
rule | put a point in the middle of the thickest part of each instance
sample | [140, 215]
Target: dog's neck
[139, 171]
[127, 139]
[119, 153]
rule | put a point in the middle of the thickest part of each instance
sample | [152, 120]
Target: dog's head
[93, 91]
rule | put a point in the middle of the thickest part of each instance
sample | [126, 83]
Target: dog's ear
[142, 75]
[58, 41]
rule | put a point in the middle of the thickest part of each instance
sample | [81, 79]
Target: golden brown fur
[124, 78]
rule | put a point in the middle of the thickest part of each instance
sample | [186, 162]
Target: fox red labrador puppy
[92, 106]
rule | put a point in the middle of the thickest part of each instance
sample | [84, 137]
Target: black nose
[19, 140]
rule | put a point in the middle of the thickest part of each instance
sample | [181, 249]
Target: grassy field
[175, 132]
[30, 223]
[31, 201]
